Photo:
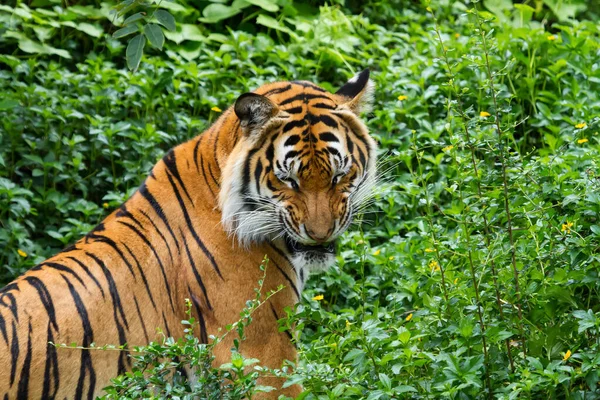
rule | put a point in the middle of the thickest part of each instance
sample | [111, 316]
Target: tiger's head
[303, 166]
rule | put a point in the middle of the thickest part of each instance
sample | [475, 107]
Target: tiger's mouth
[320, 249]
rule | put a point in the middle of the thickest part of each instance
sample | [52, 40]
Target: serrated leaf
[134, 17]
[165, 19]
[128, 30]
[134, 51]
[155, 35]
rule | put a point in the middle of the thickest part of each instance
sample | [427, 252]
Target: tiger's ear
[358, 92]
[254, 111]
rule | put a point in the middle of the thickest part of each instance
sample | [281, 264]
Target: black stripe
[191, 227]
[117, 310]
[257, 172]
[349, 144]
[23, 390]
[166, 325]
[205, 178]
[115, 247]
[328, 137]
[50, 368]
[137, 307]
[278, 90]
[196, 273]
[203, 335]
[277, 320]
[171, 163]
[123, 212]
[325, 106]
[246, 172]
[196, 148]
[87, 271]
[305, 97]
[215, 149]
[60, 267]
[88, 338]
[283, 255]
[3, 328]
[162, 267]
[287, 278]
[142, 274]
[294, 110]
[294, 124]
[45, 298]
[14, 353]
[13, 301]
[325, 119]
[158, 210]
[292, 140]
[159, 233]
[310, 85]
[215, 180]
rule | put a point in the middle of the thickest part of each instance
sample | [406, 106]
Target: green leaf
[155, 35]
[134, 17]
[165, 19]
[217, 12]
[185, 32]
[134, 51]
[266, 5]
[272, 23]
[129, 29]
[7, 104]
[9, 60]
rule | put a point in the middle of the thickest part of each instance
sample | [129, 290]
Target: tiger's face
[304, 165]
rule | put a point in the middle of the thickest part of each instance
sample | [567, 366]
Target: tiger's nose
[319, 235]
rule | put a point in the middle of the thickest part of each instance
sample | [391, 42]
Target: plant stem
[486, 227]
[504, 179]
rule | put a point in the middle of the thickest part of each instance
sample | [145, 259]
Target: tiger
[279, 174]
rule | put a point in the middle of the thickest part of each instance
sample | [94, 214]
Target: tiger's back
[170, 242]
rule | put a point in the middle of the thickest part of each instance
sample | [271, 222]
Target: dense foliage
[476, 273]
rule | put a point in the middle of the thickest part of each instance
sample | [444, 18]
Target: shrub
[475, 273]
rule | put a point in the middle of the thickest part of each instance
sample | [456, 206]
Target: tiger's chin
[311, 258]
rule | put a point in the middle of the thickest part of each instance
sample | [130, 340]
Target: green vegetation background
[477, 272]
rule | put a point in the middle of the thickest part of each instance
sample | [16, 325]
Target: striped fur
[197, 228]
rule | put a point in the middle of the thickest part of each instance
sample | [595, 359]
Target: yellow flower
[582, 141]
[581, 125]
[377, 252]
[567, 227]
[216, 109]
[105, 205]
[408, 317]
[457, 35]
[567, 355]
[447, 148]
[434, 265]
[391, 258]
[429, 250]
[402, 97]
[348, 324]
[318, 297]
[22, 253]
[455, 281]
[429, 9]
[551, 38]
[333, 344]
[484, 114]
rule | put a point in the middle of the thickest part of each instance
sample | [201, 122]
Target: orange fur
[132, 273]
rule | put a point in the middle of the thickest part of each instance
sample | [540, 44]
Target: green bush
[475, 273]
